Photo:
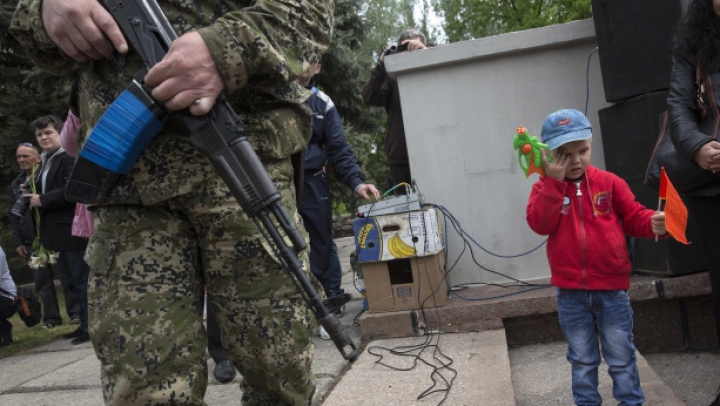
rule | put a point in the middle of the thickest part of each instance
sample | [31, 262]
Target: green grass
[25, 338]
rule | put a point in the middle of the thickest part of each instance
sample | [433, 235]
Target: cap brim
[580, 135]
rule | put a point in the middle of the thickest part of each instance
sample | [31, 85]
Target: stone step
[541, 377]
[480, 358]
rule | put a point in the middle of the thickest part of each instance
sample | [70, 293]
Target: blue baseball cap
[565, 126]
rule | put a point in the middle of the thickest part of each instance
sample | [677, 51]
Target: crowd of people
[171, 240]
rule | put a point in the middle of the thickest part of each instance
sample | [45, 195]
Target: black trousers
[7, 310]
[45, 288]
[215, 348]
[400, 173]
[316, 211]
[705, 213]
[74, 273]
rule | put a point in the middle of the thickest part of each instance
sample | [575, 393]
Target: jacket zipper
[578, 194]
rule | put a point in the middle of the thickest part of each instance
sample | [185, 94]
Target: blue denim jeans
[585, 316]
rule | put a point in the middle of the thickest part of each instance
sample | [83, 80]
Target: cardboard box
[402, 235]
[404, 284]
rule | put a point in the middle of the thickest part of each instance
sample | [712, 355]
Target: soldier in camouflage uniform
[172, 227]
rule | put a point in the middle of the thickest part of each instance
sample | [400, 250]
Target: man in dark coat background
[23, 232]
[56, 217]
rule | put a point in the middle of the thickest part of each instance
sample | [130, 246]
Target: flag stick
[659, 207]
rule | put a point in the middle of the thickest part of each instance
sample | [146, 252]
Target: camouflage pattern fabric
[149, 265]
[172, 227]
[260, 47]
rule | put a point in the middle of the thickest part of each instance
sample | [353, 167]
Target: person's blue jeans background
[586, 316]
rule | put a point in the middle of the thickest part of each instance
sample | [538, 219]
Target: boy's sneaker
[82, 338]
[49, 325]
[323, 334]
[716, 402]
[224, 371]
[76, 320]
[75, 334]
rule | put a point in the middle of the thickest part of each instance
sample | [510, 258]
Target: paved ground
[487, 374]
[693, 376]
[63, 374]
[541, 377]
[474, 365]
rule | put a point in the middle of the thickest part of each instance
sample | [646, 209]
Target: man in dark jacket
[56, 217]
[23, 231]
[382, 91]
[328, 141]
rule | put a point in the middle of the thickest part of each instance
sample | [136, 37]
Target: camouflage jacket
[259, 46]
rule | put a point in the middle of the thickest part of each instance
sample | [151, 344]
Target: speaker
[635, 45]
[629, 132]
[666, 257]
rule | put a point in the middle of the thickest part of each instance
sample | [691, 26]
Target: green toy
[529, 148]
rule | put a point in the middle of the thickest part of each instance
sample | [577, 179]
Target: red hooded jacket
[586, 223]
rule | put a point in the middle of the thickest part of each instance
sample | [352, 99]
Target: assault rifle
[135, 118]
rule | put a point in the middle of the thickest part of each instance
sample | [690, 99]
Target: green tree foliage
[26, 93]
[468, 19]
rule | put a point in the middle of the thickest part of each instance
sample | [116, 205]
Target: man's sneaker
[5, 340]
[716, 402]
[224, 371]
[49, 325]
[323, 334]
[82, 338]
[76, 320]
[75, 334]
[340, 311]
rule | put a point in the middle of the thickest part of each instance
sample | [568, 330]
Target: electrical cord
[439, 362]
[587, 80]
[465, 237]
[464, 234]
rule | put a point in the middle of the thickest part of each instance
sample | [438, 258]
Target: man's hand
[22, 251]
[658, 223]
[83, 29]
[414, 44]
[556, 168]
[708, 156]
[34, 200]
[365, 191]
[187, 73]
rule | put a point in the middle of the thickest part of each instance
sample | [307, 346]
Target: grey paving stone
[481, 360]
[26, 367]
[81, 374]
[54, 398]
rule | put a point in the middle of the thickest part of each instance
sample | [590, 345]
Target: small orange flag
[675, 211]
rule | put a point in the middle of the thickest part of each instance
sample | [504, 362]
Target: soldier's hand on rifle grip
[83, 29]
[187, 73]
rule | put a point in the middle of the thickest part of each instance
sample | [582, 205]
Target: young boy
[586, 213]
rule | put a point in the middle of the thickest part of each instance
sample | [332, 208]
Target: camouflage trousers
[149, 266]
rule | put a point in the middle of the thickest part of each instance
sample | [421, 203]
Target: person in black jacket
[382, 91]
[56, 217]
[698, 41]
[23, 231]
[328, 141]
